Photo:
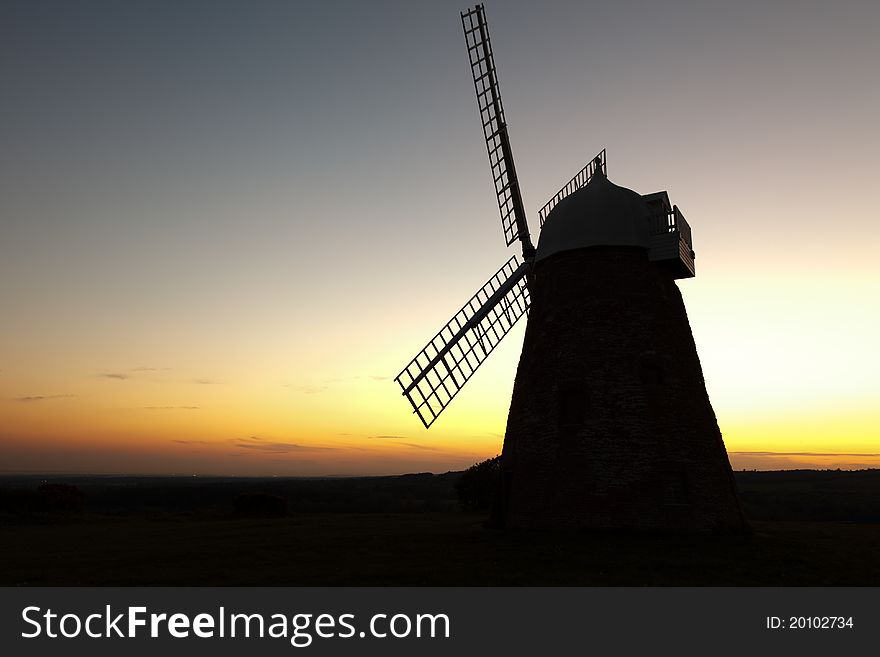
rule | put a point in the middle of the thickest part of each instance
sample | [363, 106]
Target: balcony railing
[671, 222]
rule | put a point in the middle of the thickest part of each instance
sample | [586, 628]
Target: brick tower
[610, 425]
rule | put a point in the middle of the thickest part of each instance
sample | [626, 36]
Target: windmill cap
[598, 214]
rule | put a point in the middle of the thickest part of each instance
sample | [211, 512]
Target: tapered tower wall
[610, 425]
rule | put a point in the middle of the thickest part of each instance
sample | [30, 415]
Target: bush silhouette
[477, 485]
[60, 498]
[260, 505]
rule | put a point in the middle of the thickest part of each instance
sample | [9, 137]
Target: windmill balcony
[671, 245]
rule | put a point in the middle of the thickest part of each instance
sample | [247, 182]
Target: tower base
[610, 425]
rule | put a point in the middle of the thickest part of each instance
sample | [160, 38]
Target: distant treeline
[786, 495]
[219, 496]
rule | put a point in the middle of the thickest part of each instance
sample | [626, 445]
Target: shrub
[60, 498]
[477, 485]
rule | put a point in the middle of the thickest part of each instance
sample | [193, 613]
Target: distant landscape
[811, 528]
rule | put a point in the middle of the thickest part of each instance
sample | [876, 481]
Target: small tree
[477, 485]
[60, 498]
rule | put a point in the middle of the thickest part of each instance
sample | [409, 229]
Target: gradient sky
[227, 225]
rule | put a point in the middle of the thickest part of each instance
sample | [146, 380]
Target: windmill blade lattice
[580, 179]
[440, 370]
[479, 48]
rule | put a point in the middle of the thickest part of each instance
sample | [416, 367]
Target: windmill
[610, 424]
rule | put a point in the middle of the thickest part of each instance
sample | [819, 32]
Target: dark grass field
[399, 531]
[425, 549]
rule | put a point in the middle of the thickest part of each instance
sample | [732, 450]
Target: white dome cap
[598, 214]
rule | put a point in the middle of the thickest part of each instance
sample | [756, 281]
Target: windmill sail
[440, 370]
[479, 48]
[580, 179]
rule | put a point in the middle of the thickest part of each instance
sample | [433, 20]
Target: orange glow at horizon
[248, 418]
[214, 260]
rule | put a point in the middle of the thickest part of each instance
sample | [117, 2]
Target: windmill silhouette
[610, 424]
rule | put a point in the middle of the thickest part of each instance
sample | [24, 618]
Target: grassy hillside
[812, 528]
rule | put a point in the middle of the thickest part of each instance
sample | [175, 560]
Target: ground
[426, 549]
[199, 540]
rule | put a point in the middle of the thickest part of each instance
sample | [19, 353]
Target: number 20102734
[809, 623]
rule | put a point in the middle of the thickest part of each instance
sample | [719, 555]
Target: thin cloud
[119, 376]
[191, 442]
[416, 446]
[311, 390]
[37, 398]
[122, 375]
[402, 440]
[205, 382]
[258, 444]
[376, 377]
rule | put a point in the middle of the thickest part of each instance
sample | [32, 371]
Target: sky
[226, 226]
